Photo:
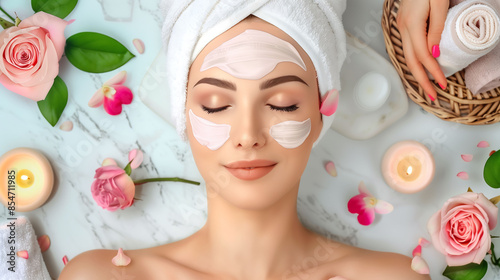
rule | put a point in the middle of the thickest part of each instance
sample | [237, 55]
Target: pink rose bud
[112, 188]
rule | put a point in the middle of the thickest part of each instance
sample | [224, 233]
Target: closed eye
[214, 110]
[290, 108]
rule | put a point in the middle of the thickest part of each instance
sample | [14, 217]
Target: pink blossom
[112, 188]
[30, 54]
[366, 205]
[113, 94]
[461, 229]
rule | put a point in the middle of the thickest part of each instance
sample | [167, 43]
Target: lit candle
[408, 166]
[26, 179]
[371, 91]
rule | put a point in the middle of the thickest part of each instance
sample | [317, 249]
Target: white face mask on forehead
[252, 55]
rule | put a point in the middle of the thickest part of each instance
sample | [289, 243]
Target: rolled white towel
[190, 25]
[18, 235]
[472, 29]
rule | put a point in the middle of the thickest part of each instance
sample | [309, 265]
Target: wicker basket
[456, 103]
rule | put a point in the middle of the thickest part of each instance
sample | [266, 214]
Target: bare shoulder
[366, 264]
[94, 264]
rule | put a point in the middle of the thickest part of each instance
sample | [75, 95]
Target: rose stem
[174, 179]
[494, 259]
[11, 18]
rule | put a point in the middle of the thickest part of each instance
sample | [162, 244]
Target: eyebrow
[281, 80]
[265, 85]
[217, 83]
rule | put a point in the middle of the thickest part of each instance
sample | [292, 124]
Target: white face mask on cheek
[207, 133]
[291, 134]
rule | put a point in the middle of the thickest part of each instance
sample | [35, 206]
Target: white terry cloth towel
[21, 231]
[472, 29]
[316, 25]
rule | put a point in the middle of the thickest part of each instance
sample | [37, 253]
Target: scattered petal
[66, 126]
[383, 207]
[463, 175]
[23, 254]
[467, 157]
[44, 242]
[121, 259]
[139, 45]
[118, 79]
[492, 152]
[330, 103]
[71, 21]
[367, 217]
[65, 260]
[423, 242]
[109, 161]
[419, 265]
[122, 95]
[483, 144]
[330, 168]
[417, 251]
[136, 156]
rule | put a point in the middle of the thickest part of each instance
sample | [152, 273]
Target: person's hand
[421, 45]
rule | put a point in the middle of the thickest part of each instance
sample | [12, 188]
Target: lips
[250, 170]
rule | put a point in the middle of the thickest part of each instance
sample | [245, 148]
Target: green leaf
[95, 52]
[58, 8]
[55, 102]
[470, 271]
[5, 23]
[128, 169]
[491, 171]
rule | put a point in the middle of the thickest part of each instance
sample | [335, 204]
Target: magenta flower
[366, 205]
[113, 94]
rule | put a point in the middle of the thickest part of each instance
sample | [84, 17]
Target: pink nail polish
[430, 96]
[435, 51]
[442, 86]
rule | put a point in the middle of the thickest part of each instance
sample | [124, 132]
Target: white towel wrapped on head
[191, 24]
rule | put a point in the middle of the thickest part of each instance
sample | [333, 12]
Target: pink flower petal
[356, 204]
[109, 161]
[492, 152]
[330, 103]
[383, 207]
[483, 144]
[330, 168]
[44, 243]
[417, 251]
[363, 190]
[118, 79]
[463, 175]
[136, 156]
[423, 242]
[124, 94]
[66, 126]
[65, 260]
[121, 259]
[139, 45]
[366, 218]
[419, 265]
[97, 99]
[467, 157]
[23, 254]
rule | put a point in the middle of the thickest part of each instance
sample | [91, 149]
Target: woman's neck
[252, 244]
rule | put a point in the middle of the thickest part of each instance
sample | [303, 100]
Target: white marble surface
[169, 212]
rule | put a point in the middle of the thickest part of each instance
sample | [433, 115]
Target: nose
[248, 132]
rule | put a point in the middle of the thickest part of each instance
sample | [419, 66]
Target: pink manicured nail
[442, 86]
[431, 97]
[435, 51]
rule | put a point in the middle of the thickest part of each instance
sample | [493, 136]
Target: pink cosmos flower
[113, 94]
[366, 205]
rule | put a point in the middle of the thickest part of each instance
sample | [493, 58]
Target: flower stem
[172, 179]
[11, 18]
[494, 259]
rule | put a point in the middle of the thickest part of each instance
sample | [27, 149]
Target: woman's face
[251, 127]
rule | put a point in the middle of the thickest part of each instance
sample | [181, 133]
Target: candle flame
[409, 170]
[24, 177]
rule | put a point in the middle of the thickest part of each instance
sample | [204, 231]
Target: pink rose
[30, 55]
[112, 188]
[461, 229]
